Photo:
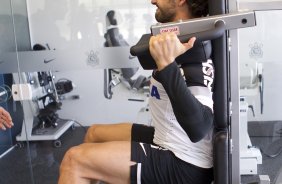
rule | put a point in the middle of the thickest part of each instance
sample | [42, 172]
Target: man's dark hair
[198, 8]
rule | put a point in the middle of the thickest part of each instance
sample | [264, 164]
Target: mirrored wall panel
[64, 66]
[260, 104]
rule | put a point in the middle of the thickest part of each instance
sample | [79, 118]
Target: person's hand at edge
[5, 119]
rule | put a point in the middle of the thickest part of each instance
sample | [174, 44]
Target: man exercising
[178, 149]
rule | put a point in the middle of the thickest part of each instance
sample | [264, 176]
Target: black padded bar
[220, 157]
[220, 97]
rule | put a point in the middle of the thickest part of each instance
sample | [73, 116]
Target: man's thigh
[99, 133]
[109, 162]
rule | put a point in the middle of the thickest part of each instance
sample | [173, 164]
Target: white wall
[80, 24]
[58, 22]
[262, 44]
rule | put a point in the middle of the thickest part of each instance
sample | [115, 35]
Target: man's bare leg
[108, 162]
[109, 132]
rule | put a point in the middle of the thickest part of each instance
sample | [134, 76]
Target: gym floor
[267, 136]
[37, 162]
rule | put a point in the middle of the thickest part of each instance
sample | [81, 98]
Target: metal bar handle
[219, 29]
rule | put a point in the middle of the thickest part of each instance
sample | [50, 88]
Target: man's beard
[164, 16]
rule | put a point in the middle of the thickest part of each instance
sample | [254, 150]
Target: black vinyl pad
[200, 52]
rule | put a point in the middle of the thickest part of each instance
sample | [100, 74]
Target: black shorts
[156, 165]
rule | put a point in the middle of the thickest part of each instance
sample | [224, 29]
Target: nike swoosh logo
[131, 57]
[48, 61]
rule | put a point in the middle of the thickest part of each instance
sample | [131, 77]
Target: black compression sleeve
[195, 118]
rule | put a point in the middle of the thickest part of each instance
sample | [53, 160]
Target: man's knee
[71, 158]
[91, 134]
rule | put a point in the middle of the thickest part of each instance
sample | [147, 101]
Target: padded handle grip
[140, 48]
[219, 28]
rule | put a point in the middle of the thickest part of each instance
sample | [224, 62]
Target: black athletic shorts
[156, 165]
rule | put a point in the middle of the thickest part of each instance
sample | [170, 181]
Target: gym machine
[209, 28]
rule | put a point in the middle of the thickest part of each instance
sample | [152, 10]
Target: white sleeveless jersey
[170, 135]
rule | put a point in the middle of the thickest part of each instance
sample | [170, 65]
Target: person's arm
[195, 118]
[5, 119]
